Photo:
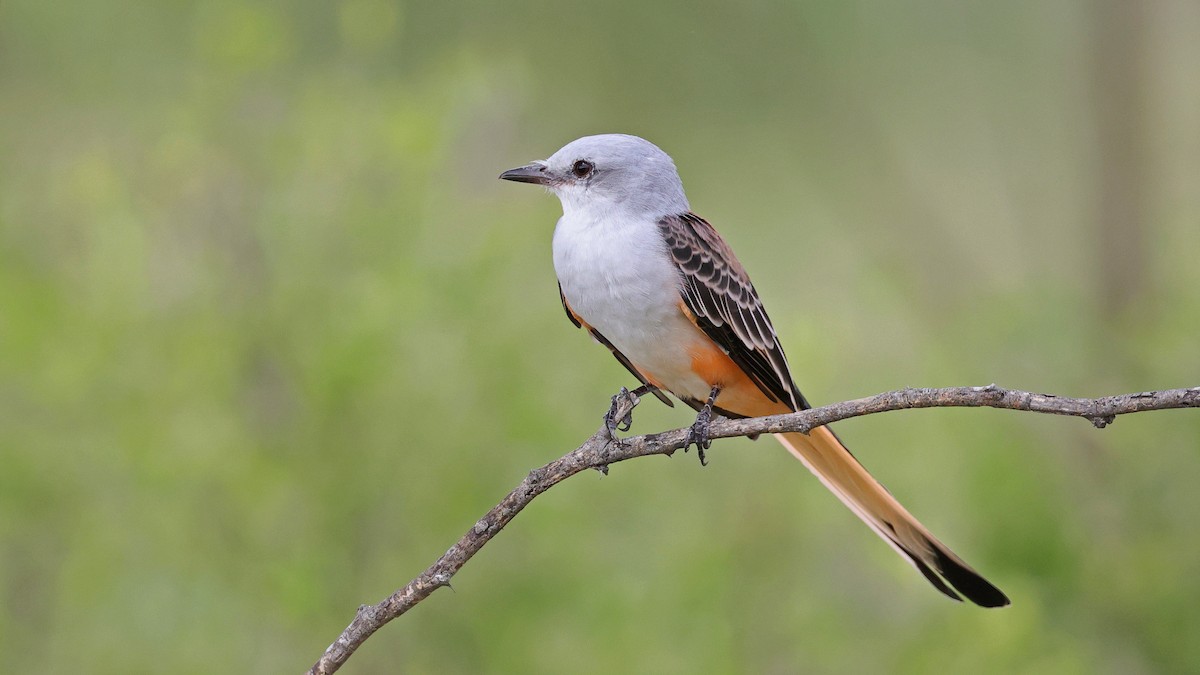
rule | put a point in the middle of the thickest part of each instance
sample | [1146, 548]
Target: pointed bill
[530, 173]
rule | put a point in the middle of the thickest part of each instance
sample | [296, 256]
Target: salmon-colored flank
[739, 394]
[654, 381]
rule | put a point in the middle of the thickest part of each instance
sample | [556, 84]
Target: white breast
[617, 275]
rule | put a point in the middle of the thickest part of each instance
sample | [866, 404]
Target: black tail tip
[968, 582]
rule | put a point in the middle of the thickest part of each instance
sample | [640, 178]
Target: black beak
[532, 173]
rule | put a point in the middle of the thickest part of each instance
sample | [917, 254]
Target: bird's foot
[620, 414]
[698, 436]
[698, 433]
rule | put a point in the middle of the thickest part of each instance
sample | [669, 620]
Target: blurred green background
[272, 335]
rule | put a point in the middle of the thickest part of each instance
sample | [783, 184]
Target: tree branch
[603, 449]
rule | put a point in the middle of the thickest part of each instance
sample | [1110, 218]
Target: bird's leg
[620, 414]
[698, 434]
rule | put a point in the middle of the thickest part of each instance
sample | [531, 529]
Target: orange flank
[739, 394]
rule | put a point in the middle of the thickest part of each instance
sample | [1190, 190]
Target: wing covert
[724, 304]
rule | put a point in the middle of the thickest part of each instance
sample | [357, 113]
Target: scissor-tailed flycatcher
[659, 287]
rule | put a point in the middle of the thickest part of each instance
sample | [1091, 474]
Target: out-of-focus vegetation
[272, 336]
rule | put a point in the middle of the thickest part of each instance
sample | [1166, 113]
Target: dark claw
[698, 434]
[623, 423]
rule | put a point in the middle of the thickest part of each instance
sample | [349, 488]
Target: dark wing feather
[718, 292]
[567, 308]
[615, 352]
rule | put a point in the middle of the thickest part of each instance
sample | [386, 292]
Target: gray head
[610, 172]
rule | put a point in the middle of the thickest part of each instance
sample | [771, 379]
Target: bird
[663, 291]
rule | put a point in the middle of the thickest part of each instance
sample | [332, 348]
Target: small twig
[603, 449]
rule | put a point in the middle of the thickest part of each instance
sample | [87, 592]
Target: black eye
[582, 168]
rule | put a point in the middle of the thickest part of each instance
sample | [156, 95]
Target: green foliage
[272, 336]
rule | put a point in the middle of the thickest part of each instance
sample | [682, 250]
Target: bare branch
[603, 449]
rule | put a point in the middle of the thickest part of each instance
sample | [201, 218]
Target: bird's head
[607, 173]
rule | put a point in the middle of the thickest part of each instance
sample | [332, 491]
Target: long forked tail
[826, 457]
